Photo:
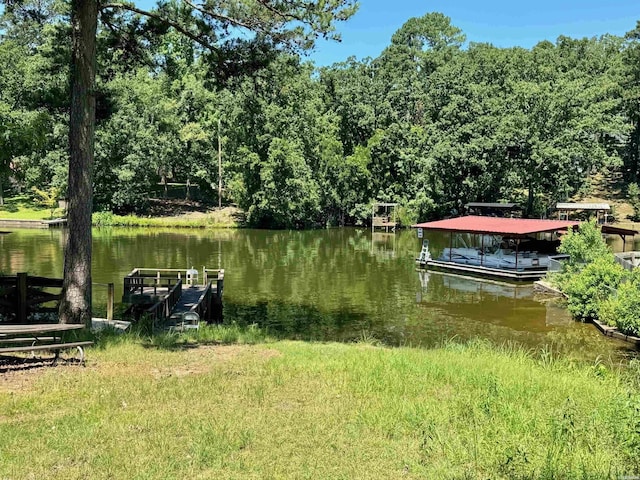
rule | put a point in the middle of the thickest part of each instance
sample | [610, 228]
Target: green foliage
[430, 123]
[407, 215]
[591, 275]
[109, 219]
[588, 288]
[289, 197]
[48, 198]
[623, 309]
[633, 191]
[584, 246]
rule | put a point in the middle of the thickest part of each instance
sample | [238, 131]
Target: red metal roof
[497, 225]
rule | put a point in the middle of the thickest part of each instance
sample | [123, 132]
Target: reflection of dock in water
[383, 244]
[493, 302]
[477, 287]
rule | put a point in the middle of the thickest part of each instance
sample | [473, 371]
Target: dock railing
[140, 278]
[204, 305]
[164, 286]
[209, 275]
[162, 310]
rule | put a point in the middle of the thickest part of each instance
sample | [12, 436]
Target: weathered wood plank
[48, 347]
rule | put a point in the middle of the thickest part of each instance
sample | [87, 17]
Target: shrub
[102, 219]
[590, 287]
[623, 309]
[584, 246]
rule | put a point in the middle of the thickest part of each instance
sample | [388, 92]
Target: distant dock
[18, 223]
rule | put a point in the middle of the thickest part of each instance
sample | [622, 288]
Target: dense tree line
[431, 123]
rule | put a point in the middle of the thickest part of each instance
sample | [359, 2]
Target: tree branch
[222, 18]
[171, 23]
[275, 11]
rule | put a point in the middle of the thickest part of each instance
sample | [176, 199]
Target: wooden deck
[166, 295]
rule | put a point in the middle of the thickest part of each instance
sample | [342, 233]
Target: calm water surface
[339, 284]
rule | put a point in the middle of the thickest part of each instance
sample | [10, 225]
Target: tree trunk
[633, 152]
[530, 198]
[1, 192]
[75, 306]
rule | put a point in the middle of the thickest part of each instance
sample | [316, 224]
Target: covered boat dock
[519, 260]
[601, 210]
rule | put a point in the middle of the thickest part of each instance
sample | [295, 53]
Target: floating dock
[482, 272]
[175, 298]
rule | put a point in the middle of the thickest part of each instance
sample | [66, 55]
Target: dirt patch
[609, 187]
[19, 374]
[168, 207]
[202, 359]
[193, 210]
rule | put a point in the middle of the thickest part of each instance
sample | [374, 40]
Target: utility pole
[219, 167]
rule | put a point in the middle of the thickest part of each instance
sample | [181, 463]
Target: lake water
[337, 284]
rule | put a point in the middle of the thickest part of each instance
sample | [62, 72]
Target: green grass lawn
[24, 208]
[286, 409]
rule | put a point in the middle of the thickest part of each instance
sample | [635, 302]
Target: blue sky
[503, 23]
[500, 22]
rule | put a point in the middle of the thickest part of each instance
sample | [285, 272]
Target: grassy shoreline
[106, 219]
[258, 408]
[25, 209]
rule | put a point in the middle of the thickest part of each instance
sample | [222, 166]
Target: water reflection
[338, 284]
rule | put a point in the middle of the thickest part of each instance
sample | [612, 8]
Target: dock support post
[110, 297]
[22, 297]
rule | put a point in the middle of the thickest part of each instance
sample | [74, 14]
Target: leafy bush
[584, 246]
[588, 288]
[623, 309]
[406, 215]
[102, 219]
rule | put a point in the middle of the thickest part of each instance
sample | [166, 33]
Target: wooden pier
[175, 298]
[19, 223]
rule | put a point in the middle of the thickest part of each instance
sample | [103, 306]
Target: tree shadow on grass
[247, 324]
[11, 364]
[9, 207]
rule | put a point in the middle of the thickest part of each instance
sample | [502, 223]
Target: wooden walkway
[189, 299]
[162, 295]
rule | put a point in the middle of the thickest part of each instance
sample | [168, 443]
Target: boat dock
[175, 298]
[17, 223]
[514, 249]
